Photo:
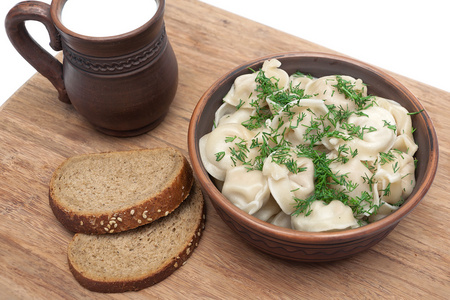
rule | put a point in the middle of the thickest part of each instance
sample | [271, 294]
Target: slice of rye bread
[117, 191]
[138, 258]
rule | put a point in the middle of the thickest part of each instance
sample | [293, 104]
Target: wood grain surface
[37, 132]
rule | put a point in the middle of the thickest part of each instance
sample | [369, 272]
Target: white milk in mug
[103, 18]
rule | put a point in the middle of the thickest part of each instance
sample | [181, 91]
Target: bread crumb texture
[129, 259]
[95, 182]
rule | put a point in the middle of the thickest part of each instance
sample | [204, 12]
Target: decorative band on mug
[119, 64]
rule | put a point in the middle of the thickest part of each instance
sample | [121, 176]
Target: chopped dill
[347, 88]
[415, 112]
[220, 155]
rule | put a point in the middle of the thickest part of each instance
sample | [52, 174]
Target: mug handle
[33, 53]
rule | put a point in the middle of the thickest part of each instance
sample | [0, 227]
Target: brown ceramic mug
[122, 84]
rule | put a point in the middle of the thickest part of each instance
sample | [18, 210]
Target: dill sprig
[258, 120]
[266, 86]
[415, 112]
[347, 88]
[283, 156]
[239, 152]
[324, 178]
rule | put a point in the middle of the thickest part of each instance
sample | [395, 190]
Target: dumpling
[325, 217]
[268, 210]
[395, 177]
[367, 133]
[248, 190]
[229, 114]
[354, 176]
[215, 149]
[296, 118]
[284, 185]
[325, 88]
[243, 91]
[274, 107]
[300, 81]
[384, 210]
[405, 139]
[281, 219]
[224, 110]
[272, 71]
[405, 143]
[402, 119]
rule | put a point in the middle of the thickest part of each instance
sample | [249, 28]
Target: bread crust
[132, 216]
[165, 270]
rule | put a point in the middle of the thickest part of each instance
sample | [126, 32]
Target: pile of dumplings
[376, 165]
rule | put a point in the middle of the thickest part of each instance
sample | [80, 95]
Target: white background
[411, 38]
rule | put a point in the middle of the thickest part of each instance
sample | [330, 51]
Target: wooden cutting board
[37, 132]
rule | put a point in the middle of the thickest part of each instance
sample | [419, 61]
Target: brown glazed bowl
[311, 246]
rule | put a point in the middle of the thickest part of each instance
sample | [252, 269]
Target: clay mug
[122, 84]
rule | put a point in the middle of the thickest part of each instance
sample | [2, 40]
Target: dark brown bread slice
[138, 258]
[117, 191]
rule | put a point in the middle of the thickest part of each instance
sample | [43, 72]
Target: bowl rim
[251, 222]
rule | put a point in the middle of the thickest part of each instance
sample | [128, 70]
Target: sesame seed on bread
[118, 191]
[138, 258]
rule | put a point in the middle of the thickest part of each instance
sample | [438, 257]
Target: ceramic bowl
[309, 246]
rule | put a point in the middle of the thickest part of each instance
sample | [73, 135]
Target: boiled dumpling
[284, 185]
[354, 177]
[225, 109]
[229, 114]
[405, 143]
[325, 217]
[325, 88]
[402, 118]
[268, 210]
[281, 219]
[215, 142]
[295, 120]
[300, 81]
[375, 135]
[246, 189]
[272, 71]
[384, 210]
[243, 91]
[395, 178]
